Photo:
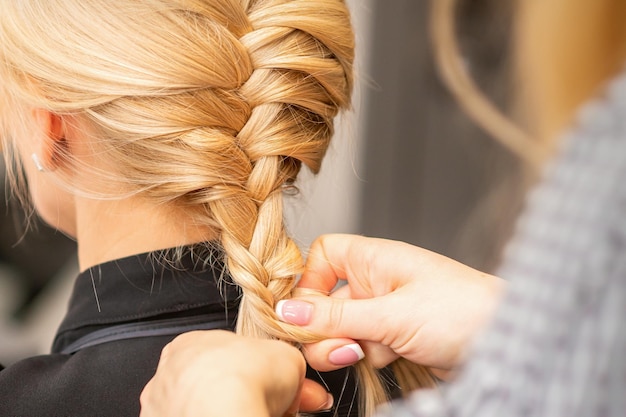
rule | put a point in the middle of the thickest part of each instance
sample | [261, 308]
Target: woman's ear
[51, 144]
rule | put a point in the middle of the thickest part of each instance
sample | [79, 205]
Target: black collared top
[120, 316]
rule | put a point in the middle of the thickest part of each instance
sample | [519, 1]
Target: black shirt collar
[146, 287]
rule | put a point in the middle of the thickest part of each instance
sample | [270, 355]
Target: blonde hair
[208, 105]
[566, 50]
[460, 83]
[563, 50]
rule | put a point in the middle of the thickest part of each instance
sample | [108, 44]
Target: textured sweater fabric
[557, 344]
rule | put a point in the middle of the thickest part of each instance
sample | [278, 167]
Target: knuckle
[144, 397]
[335, 317]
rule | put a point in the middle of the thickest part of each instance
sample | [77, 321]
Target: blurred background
[406, 164]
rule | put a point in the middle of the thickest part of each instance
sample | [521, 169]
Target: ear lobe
[52, 143]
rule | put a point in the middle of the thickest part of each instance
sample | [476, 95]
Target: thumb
[314, 398]
[342, 321]
[360, 319]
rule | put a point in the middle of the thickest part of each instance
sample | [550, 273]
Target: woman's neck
[109, 230]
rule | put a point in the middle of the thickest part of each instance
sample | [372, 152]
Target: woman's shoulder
[104, 380]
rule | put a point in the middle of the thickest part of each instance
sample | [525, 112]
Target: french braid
[296, 88]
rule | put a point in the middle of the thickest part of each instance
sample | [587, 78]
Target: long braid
[296, 88]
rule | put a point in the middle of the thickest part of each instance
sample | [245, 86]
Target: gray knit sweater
[557, 347]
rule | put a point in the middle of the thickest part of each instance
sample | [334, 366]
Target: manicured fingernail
[346, 355]
[294, 311]
[328, 404]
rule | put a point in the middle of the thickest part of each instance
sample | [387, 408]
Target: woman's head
[209, 107]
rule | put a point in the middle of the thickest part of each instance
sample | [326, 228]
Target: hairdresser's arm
[400, 300]
[217, 373]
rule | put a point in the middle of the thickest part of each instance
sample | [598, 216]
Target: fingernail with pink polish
[346, 355]
[294, 311]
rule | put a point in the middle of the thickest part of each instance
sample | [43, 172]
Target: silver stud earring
[37, 162]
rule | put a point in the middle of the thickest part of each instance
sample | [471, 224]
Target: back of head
[212, 106]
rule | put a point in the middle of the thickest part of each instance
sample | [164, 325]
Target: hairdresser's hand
[217, 373]
[400, 300]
